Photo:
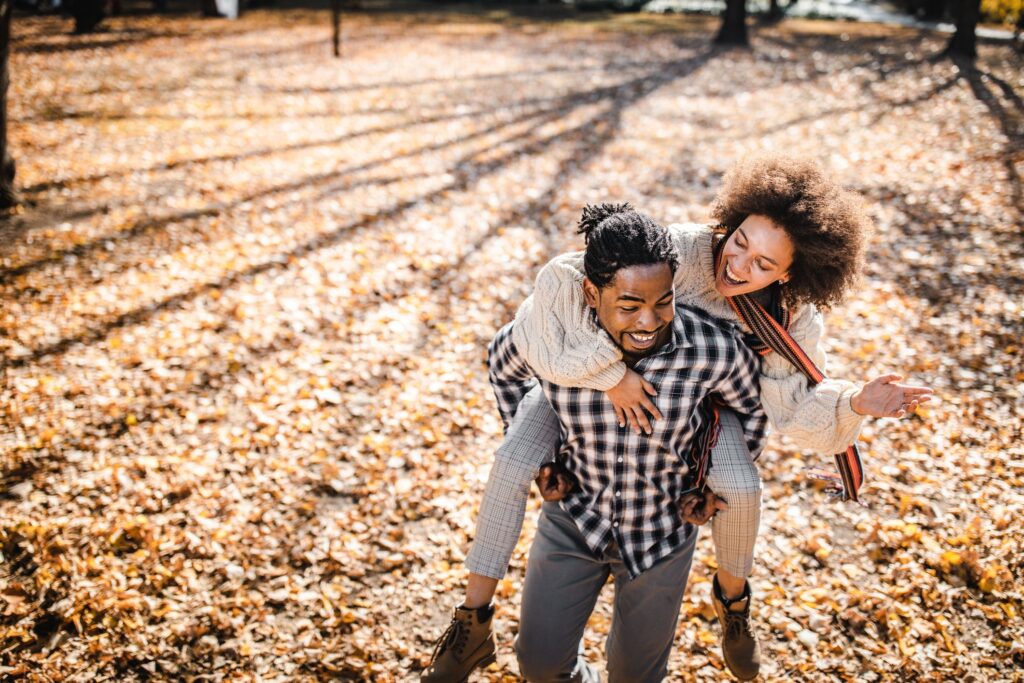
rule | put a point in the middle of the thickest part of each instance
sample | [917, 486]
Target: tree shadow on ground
[593, 135]
[987, 88]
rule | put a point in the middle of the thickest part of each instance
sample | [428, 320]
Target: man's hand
[630, 398]
[698, 507]
[555, 482]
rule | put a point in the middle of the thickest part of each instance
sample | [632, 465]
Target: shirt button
[615, 524]
[618, 493]
[620, 459]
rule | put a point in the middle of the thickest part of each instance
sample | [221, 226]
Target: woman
[789, 237]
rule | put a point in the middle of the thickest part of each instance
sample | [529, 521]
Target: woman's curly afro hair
[827, 225]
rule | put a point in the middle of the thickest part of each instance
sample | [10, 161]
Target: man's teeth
[642, 337]
[732, 276]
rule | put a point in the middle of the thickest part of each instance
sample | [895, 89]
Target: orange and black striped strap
[775, 337]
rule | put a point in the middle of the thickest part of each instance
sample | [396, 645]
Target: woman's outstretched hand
[631, 397]
[885, 397]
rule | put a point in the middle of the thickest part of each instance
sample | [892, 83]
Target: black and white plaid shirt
[630, 483]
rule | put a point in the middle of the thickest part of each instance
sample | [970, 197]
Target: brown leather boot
[739, 644]
[465, 645]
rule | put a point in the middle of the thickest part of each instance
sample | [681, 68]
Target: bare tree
[8, 196]
[336, 26]
[734, 24]
[964, 42]
[88, 14]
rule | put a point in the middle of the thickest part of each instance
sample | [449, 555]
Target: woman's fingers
[641, 418]
[651, 408]
[620, 415]
[649, 388]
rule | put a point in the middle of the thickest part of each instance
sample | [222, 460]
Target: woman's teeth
[731, 278]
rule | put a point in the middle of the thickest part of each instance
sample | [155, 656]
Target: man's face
[636, 308]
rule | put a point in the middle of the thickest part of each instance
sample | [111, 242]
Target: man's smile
[641, 340]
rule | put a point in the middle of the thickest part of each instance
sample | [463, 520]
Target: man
[627, 516]
[624, 518]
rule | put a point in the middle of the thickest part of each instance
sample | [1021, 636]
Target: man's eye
[627, 310]
[663, 304]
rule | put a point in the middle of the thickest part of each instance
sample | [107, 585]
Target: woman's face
[757, 254]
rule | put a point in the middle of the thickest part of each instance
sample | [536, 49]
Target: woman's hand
[884, 397]
[630, 399]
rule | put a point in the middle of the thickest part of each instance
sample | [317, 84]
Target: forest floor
[246, 306]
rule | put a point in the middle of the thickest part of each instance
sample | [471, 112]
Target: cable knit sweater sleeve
[556, 333]
[819, 417]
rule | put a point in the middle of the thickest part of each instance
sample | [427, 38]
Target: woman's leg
[734, 477]
[531, 440]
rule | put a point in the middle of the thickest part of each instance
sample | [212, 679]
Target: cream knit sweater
[554, 330]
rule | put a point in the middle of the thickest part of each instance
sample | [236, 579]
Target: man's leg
[563, 580]
[645, 616]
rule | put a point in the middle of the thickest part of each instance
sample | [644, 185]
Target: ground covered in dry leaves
[246, 418]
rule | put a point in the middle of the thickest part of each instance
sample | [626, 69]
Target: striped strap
[774, 336]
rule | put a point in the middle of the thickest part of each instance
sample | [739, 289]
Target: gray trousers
[532, 439]
[563, 582]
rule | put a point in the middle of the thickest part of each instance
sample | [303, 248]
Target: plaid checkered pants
[532, 440]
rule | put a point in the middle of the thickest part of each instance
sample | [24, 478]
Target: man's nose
[647, 321]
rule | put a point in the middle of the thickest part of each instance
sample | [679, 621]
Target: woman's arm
[828, 416]
[817, 417]
[557, 333]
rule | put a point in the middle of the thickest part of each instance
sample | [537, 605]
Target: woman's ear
[590, 292]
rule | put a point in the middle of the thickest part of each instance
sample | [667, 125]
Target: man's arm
[510, 375]
[740, 392]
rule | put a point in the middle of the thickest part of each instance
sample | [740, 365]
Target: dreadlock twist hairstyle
[618, 237]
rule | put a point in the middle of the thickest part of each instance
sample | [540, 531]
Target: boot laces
[737, 624]
[456, 634]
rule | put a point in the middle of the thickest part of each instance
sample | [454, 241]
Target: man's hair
[618, 237]
[827, 225]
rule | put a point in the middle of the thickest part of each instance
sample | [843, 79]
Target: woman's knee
[739, 492]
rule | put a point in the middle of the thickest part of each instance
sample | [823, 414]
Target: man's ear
[590, 293]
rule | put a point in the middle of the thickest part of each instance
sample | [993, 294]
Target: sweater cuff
[849, 422]
[608, 377]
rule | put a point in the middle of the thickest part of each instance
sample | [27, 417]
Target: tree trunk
[88, 14]
[964, 42]
[8, 196]
[336, 24]
[734, 24]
